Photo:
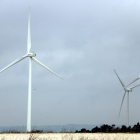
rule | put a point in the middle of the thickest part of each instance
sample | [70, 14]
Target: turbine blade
[35, 60]
[132, 82]
[16, 61]
[135, 86]
[122, 104]
[120, 79]
[29, 35]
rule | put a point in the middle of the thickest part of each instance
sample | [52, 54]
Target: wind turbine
[126, 90]
[31, 57]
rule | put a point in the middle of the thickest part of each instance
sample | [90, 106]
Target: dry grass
[33, 137]
[69, 136]
[3, 138]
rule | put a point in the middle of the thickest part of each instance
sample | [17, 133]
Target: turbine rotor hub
[31, 54]
[129, 90]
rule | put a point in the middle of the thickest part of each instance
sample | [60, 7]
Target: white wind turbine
[126, 90]
[31, 57]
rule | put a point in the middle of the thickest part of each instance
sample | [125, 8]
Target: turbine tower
[31, 57]
[126, 90]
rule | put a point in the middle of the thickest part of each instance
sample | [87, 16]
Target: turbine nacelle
[129, 90]
[31, 54]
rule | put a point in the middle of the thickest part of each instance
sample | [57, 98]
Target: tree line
[105, 128]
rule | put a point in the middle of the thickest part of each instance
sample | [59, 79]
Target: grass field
[70, 136]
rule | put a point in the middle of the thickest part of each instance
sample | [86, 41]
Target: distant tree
[123, 128]
[76, 131]
[83, 130]
[88, 131]
[113, 127]
[136, 128]
[129, 129]
[116, 130]
[95, 130]
[105, 128]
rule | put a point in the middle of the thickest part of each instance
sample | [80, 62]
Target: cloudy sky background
[83, 42]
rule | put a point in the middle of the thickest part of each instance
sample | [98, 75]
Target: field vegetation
[104, 132]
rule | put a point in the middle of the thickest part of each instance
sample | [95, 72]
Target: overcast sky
[83, 42]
